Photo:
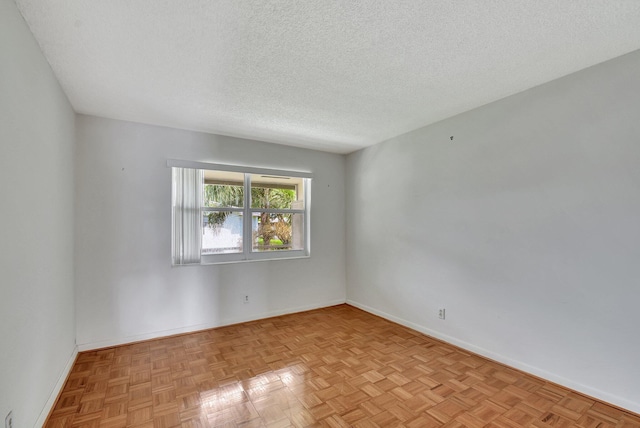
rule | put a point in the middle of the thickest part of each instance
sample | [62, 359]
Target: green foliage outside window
[271, 226]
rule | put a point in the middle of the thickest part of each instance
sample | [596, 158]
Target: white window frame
[247, 254]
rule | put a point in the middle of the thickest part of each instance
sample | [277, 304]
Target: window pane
[221, 232]
[223, 189]
[281, 193]
[277, 232]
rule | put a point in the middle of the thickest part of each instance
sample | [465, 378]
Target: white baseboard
[552, 377]
[53, 396]
[189, 329]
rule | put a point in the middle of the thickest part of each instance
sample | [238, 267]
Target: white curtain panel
[187, 220]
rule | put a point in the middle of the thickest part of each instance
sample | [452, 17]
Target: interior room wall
[37, 328]
[522, 219]
[126, 288]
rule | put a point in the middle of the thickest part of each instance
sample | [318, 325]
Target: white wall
[37, 327]
[126, 287]
[525, 227]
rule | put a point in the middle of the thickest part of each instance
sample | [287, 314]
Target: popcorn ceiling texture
[331, 75]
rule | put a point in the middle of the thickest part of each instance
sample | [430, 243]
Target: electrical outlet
[8, 421]
[245, 299]
[441, 313]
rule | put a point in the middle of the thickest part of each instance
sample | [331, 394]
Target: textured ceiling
[325, 74]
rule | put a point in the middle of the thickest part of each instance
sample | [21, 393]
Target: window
[224, 213]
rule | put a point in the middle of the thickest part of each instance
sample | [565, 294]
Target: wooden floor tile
[332, 367]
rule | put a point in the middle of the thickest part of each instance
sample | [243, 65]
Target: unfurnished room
[320, 213]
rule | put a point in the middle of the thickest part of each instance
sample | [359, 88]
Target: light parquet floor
[333, 367]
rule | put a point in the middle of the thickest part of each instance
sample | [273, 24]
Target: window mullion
[248, 231]
[276, 211]
[222, 209]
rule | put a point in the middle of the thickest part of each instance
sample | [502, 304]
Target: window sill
[227, 262]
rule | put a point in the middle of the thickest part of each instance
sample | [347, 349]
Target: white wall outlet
[441, 313]
[8, 421]
[245, 298]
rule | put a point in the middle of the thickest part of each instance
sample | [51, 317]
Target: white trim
[585, 389]
[198, 327]
[226, 261]
[276, 255]
[53, 396]
[222, 209]
[214, 259]
[247, 226]
[236, 168]
[307, 218]
[271, 210]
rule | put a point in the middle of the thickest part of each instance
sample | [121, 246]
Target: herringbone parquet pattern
[334, 367]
